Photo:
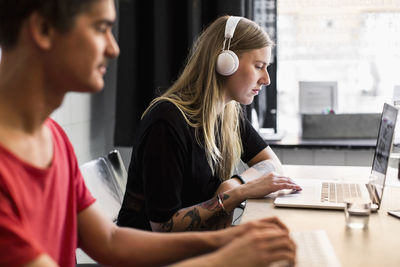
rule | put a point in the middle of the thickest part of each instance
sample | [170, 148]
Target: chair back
[117, 166]
[105, 177]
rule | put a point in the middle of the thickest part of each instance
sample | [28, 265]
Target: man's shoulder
[52, 124]
[58, 133]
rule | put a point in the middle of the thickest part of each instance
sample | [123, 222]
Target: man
[49, 48]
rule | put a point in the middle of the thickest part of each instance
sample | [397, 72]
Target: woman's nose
[265, 80]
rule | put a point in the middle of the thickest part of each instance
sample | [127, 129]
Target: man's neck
[26, 98]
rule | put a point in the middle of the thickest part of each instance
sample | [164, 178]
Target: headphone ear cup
[227, 63]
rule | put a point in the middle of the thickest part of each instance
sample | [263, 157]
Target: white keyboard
[313, 250]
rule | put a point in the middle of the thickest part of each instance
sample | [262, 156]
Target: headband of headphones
[230, 27]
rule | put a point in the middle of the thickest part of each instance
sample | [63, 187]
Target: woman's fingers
[285, 183]
[269, 183]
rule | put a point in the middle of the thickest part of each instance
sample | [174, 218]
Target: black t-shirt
[169, 170]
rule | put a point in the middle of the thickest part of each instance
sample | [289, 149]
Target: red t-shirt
[39, 207]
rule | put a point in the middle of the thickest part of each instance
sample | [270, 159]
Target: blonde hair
[198, 93]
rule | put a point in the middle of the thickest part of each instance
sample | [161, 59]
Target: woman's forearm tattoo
[210, 205]
[195, 219]
[168, 225]
[224, 196]
[264, 167]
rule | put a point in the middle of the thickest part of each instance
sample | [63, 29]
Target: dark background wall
[155, 37]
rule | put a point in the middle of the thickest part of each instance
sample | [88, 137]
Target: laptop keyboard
[337, 193]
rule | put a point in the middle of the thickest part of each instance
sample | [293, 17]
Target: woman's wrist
[239, 178]
[220, 198]
[236, 197]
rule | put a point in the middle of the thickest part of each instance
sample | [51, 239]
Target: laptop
[331, 194]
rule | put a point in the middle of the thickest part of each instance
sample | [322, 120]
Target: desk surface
[376, 246]
[294, 141]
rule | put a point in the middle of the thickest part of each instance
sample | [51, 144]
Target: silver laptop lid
[382, 153]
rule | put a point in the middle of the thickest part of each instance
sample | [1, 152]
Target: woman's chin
[247, 101]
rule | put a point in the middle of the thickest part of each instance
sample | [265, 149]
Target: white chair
[101, 181]
[114, 161]
[106, 178]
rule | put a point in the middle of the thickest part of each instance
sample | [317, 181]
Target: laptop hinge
[373, 194]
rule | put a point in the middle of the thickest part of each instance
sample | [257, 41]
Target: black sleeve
[163, 167]
[252, 142]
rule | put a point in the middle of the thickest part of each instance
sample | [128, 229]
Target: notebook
[330, 194]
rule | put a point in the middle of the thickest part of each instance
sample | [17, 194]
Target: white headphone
[228, 61]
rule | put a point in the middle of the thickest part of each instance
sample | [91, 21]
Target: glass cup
[357, 211]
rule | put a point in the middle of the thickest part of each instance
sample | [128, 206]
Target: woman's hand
[268, 183]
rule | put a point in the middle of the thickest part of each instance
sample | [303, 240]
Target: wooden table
[379, 245]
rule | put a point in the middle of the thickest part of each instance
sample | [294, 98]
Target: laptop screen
[384, 140]
[383, 147]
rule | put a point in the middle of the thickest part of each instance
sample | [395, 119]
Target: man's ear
[41, 31]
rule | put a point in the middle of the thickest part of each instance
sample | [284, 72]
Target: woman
[192, 137]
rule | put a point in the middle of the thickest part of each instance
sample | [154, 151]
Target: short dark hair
[60, 14]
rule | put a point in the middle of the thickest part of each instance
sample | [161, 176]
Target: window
[353, 42]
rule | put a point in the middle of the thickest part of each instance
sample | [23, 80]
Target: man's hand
[256, 243]
[227, 235]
